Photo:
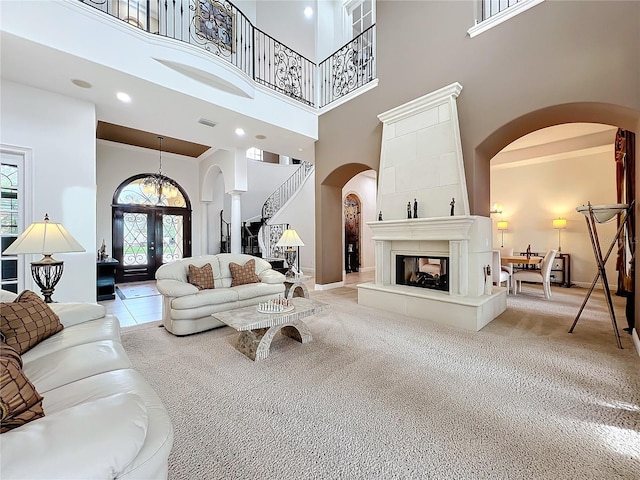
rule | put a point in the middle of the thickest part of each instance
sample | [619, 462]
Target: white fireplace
[421, 161]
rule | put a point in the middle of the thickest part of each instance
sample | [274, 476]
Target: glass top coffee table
[257, 330]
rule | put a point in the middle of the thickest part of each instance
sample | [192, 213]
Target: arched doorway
[148, 229]
[352, 211]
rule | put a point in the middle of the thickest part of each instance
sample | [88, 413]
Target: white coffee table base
[256, 343]
[256, 330]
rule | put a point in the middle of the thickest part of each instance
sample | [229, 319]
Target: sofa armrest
[96, 439]
[271, 276]
[175, 288]
[74, 313]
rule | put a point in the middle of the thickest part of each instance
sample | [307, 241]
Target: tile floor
[142, 303]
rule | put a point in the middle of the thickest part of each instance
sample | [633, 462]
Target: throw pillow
[27, 321]
[243, 274]
[19, 401]
[201, 277]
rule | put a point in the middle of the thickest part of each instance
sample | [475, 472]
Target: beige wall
[559, 62]
[532, 195]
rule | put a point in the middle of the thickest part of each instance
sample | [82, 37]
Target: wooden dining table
[520, 259]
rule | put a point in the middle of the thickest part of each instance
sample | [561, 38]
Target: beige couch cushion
[253, 290]
[205, 297]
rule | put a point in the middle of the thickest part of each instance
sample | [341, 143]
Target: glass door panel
[135, 248]
[172, 238]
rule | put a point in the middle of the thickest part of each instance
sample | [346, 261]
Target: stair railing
[225, 240]
[284, 192]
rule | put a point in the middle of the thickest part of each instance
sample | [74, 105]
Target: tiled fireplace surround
[421, 159]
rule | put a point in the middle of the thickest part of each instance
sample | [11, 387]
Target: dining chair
[542, 276]
[498, 274]
[506, 252]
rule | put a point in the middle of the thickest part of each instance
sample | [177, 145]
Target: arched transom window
[137, 192]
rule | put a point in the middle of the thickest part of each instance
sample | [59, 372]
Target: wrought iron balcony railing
[221, 28]
[348, 69]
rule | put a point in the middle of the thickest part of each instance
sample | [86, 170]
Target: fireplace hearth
[423, 272]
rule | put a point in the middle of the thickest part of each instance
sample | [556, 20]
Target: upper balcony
[221, 29]
[151, 51]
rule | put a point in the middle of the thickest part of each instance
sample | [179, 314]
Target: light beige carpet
[383, 396]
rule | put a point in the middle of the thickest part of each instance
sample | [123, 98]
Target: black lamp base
[47, 273]
[290, 258]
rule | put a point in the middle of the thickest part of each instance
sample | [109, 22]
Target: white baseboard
[328, 286]
[368, 269]
[636, 340]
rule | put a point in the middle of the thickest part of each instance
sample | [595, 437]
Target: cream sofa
[102, 419]
[186, 310]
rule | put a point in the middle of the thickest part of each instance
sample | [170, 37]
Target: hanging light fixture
[157, 184]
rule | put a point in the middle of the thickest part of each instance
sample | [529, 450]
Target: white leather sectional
[186, 310]
[102, 418]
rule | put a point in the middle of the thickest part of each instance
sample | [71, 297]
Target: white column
[383, 263]
[236, 222]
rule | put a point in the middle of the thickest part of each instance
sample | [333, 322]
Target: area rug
[384, 396]
[127, 291]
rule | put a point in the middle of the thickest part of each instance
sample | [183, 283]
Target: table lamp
[290, 239]
[559, 224]
[45, 238]
[502, 226]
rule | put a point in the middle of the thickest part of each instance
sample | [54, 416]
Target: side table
[296, 284]
[106, 279]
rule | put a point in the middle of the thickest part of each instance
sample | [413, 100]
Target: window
[135, 193]
[254, 154]
[360, 14]
[12, 221]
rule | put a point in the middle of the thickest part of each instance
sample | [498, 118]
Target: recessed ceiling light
[308, 12]
[299, 149]
[239, 132]
[123, 97]
[80, 83]
[261, 137]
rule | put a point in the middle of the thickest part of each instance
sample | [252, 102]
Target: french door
[145, 237]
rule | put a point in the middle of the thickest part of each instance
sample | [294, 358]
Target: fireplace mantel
[435, 228]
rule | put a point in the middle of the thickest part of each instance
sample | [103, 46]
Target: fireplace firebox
[423, 271]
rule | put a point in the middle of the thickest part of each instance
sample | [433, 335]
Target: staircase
[259, 238]
[271, 233]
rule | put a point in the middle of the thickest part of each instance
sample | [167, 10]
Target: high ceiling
[153, 109]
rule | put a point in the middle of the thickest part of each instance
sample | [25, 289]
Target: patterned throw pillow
[201, 277]
[27, 321]
[243, 274]
[19, 401]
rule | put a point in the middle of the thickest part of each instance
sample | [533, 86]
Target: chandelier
[157, 184]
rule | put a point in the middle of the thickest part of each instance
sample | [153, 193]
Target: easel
[601, 262]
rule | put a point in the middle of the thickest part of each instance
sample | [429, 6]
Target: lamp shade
[502, 225]
[559, 223]
[290, 238]
[46, 238]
